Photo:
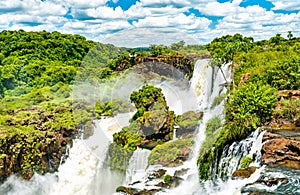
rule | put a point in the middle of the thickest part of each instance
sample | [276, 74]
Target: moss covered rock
[171, 153]
[152, 123]
[34, 140]
[188, 122]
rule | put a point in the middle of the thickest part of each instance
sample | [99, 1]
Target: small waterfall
[230, 160]
[137, 165]
[76, 175]
[232, 155]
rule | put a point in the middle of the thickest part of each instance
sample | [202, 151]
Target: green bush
[212, 125]
[245, 162]
[285, 74]
[118, 158]
[290, 109]
[167, 178]
[127, 140]
[251, 100]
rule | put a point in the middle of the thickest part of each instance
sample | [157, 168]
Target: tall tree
[290, 35]
[225, 48]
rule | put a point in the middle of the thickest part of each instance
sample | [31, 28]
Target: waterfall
[207, 83]
[137, 165]
[230, 159]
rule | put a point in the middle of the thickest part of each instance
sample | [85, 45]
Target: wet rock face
[281, 151]
[244, 173]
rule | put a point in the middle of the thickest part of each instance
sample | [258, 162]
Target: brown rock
[157, 174]
[244, 173]
[289, 93]
[269, 135]
[281, 151]
[148, 144]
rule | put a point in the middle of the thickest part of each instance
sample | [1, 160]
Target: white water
[232, 155]
[137, 166]
[222, 182]
[207, 84]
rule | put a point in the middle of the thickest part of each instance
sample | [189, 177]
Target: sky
[135, 23]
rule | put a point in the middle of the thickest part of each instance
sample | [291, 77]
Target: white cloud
[285, 4]
[85, 4]
[259, 23]
[220, 9]
[137, 11]
[105, 13]
[140, 37]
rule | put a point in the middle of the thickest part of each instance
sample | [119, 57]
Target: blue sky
[141, 22]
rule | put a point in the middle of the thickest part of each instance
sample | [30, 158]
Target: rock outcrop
[42, 144]
[279, 150]
[244, 173]
[188, 122]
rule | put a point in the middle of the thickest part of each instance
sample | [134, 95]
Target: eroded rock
[244, 173]
[281, 151]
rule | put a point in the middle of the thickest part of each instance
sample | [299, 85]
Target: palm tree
[290, 35]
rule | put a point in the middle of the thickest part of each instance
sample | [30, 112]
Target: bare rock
[244, 173]
[281, 151]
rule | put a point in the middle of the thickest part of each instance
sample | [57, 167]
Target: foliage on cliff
[259, 71]
[37, 70]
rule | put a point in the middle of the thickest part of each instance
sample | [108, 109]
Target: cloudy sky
[140, 22]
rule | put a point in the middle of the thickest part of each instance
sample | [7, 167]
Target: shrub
[245, 162]
[167, 178]
[290, 109]
[285, 74]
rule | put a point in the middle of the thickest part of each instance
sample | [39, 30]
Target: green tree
[177, 46]
[290, 35]
[225, 48]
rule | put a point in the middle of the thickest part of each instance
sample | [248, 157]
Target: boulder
[188, 122]
[244, 173]
[180, 172]
[281, 151]
[135, 191]
[148, 144]
[171, 183]
[157, 174]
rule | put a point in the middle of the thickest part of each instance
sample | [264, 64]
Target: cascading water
[232, 155]
[207, 83]
[137, 165]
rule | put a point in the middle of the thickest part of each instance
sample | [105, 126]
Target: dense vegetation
[260, 70]
[37, 71]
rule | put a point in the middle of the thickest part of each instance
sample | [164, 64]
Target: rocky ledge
[280, 150]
